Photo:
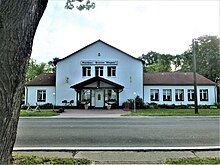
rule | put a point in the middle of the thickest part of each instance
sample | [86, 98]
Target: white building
[177, 88]
[99, 74]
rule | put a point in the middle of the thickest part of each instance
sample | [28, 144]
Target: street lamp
[134, 102]
[54, 94]
[194, 42]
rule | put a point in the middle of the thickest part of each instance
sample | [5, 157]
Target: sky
[133, 26]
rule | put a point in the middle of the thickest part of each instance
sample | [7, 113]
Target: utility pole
[194, 77]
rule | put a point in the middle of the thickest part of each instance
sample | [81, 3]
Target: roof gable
[96, 79]
[44, 79]
[103, 43]
[174, 78]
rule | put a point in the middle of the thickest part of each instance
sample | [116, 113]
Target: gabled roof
[103, 43]
[97, 79]
[174, 78]
[44, 79]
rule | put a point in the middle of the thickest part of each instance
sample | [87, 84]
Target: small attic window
[99, 54]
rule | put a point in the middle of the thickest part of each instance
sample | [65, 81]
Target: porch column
[117, 97]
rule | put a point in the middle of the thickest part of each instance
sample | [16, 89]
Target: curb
[138, 149]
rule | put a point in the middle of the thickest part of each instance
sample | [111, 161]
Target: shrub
[46, 106]
[153, 105]
[166, 106]
[217, 104]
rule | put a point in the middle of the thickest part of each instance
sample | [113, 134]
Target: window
[86, 95]
[99, 70]
[167, 95]
[41, 95]
[203, 94]
[111, 95]
[154, 94]
[111, 71]
[86, 70]
[179, 94]
[191, 95]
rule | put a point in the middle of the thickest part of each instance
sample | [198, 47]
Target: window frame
[86, 70]
[155, 93]
[179, 94]
[203, 95]
[99, 71]
[41, 97]
[167, 95]
[111, 71]
[192, 95]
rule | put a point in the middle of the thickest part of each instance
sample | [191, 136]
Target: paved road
[119, 132]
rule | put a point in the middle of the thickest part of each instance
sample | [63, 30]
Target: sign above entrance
[95, 62]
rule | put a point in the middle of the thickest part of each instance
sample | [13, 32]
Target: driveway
[81, 113]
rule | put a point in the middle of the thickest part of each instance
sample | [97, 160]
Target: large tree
[156, 62]
[18, 24]
[208, 57]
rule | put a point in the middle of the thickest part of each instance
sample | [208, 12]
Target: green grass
[24, 113]
[195, 161]
[175, 112]
[27, 160]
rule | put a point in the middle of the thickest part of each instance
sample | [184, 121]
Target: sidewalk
[126, 157]
[96, 113]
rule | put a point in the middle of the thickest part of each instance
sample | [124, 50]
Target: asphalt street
[118, 132]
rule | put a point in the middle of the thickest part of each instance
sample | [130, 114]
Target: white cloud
[135, 27]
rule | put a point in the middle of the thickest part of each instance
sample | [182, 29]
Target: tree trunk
[18, 23]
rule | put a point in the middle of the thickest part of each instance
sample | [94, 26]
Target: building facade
[100, 74]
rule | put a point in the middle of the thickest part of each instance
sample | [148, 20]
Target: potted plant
[86, 104]
[109, 106]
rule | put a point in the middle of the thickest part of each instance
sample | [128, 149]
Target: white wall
[129, 72]
[31, 94]
[211, 95]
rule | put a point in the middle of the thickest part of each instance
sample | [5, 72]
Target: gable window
[86, 71]
[203, 94]
[41, 95]
[179, 94]
[154, 94]
[191, 95]
[167, 95]
[111, 71]
[99, 70]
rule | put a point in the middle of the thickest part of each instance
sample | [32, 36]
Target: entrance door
[99, 98]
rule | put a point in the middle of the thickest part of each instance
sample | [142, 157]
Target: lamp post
[194, 76]
[134, 102]
[54, 94]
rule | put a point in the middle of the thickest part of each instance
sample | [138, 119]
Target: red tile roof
[44, 79]
[174, 78]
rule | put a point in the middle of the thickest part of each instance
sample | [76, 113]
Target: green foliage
[35, 69]
[156, 62]
[46, 106]
[87, 5]
[139, 103]
[195, 161]
[27, 160]
[208, 57]
[175, 112]
[25, 113]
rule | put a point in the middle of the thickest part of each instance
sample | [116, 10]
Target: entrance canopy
[97, 92]
[97, 83]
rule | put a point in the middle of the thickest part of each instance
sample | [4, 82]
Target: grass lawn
[174, 112]
[194, 161]
[24, 113]
[26, 160]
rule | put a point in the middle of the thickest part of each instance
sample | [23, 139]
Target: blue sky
[135, 27]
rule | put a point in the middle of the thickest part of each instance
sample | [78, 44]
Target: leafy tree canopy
[207, 59]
